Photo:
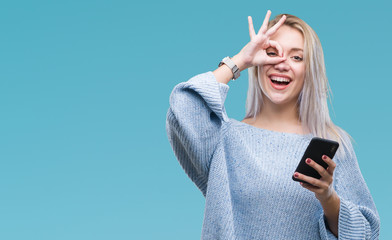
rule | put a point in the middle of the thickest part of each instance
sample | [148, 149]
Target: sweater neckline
[272, 131]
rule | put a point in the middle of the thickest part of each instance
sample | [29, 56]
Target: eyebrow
[296, 49]
[293, 49]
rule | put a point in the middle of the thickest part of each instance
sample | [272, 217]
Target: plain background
[84, 91]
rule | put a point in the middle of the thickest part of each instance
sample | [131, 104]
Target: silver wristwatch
[232, 66]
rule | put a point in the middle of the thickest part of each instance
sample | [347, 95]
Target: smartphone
[315, 150]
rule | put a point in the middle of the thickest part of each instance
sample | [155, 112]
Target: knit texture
[245, 173]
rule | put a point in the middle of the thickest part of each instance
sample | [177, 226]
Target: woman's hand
[254, 54]
[322, 187]
[324, 191]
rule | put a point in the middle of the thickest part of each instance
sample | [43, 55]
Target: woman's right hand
[254, 53]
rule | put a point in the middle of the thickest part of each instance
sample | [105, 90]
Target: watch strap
[234, 69]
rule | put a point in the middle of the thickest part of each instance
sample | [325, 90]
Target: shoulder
[249, 121]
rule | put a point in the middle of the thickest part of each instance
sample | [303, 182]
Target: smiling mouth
[280, 80]
[279, 83]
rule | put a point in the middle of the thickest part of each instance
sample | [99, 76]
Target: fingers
[274, 60]
[276, 45]
[264, 27]
[252, 32]
[331, 164]
[273, 29]
[326, 175]
[323, 173]
[310, 187]
[321, 187]
[313, 181]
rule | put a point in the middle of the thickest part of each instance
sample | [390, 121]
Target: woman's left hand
[322, 187]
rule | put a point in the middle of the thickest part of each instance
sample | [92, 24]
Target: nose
[282, 66]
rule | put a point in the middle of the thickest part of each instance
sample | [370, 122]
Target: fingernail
[324, 157]
[296, 175]
[308, 160]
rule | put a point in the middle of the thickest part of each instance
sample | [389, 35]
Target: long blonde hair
[312, 101]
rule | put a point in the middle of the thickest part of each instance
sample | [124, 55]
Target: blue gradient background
[84, 91]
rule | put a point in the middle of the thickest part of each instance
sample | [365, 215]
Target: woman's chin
[278, 99]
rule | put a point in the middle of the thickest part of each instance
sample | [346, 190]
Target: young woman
[245, 168]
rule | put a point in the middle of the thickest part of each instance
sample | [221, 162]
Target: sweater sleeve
[194, 124]
[358, 216]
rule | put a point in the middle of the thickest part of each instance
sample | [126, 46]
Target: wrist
[239, 62]
[331, 202]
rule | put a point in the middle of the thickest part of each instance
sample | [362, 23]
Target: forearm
[331, 209]
[223, 74]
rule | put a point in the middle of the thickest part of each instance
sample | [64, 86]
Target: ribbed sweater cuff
[352, 224]
[325, 233]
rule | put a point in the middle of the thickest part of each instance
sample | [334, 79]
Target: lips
[279, 81]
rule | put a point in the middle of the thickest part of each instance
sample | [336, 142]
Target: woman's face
[282, 83]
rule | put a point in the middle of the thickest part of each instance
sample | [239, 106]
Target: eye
[298, 58]
[271, 54]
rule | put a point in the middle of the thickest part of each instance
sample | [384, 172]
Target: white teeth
[280, 79]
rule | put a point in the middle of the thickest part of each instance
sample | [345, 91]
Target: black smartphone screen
[315, 150]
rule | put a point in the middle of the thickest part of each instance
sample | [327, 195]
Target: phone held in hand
[315, 150]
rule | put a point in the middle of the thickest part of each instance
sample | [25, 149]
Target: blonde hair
[312, 101]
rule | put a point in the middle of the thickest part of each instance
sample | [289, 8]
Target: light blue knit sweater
[245, 173]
